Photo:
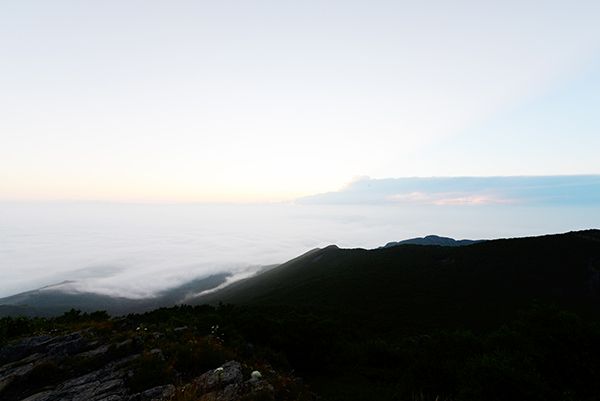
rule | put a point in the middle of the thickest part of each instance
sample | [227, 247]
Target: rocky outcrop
[227, 383]
[82, 367]
[56, 368]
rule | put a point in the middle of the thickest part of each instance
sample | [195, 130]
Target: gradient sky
[270, 100]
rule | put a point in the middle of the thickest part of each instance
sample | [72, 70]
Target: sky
[567, 191]
[235, 101]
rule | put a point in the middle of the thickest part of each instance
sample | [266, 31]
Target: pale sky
[271, 100]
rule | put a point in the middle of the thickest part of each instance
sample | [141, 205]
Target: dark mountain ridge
[429, 286]
[433, 240]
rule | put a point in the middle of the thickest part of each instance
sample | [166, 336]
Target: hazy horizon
[114, 248]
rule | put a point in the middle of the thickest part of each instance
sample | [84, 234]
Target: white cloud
[449, 199]
[215, 101]
[138, 250]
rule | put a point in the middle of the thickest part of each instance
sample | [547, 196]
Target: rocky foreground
[85, 366]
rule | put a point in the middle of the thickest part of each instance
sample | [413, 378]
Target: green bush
[150, 370]
[196, 356]
[12, 327]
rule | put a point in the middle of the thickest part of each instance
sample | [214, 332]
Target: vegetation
[500, 320]
[544, 354]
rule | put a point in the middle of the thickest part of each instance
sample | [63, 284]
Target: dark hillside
[499, 320]
[422, 287]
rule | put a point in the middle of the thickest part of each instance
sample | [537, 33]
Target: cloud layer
[136, 250]
[467, 191]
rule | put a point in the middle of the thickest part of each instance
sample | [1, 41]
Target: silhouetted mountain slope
[420, 287]
[433, 240]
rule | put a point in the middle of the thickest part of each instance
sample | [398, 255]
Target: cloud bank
[467, 191]
[138, 250]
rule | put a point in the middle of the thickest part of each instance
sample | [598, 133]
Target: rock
[110, 386]
[19, 379]
[4, 383]
[155, 394]
[226, 383]
[103, 384]
[19, 367]
[109, 398]
[157, 352]
[56, 346]
[19, 350]
[96, 352]
[43, 396]
[74, 368]
[15, 372]
[125, 343]
[228, 373]
[67, 347]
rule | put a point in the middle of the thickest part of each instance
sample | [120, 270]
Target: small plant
[150, 371]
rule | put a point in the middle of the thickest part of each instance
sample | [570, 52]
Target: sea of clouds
[136, 250]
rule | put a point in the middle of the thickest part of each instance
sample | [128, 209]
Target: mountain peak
[432, 240]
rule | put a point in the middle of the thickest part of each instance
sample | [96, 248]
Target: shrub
[150, 371]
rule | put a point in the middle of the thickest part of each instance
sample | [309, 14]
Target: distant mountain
[416, 287]
[55, 299]
[433, 240]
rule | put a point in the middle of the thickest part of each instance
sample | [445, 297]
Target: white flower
[255, 375]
